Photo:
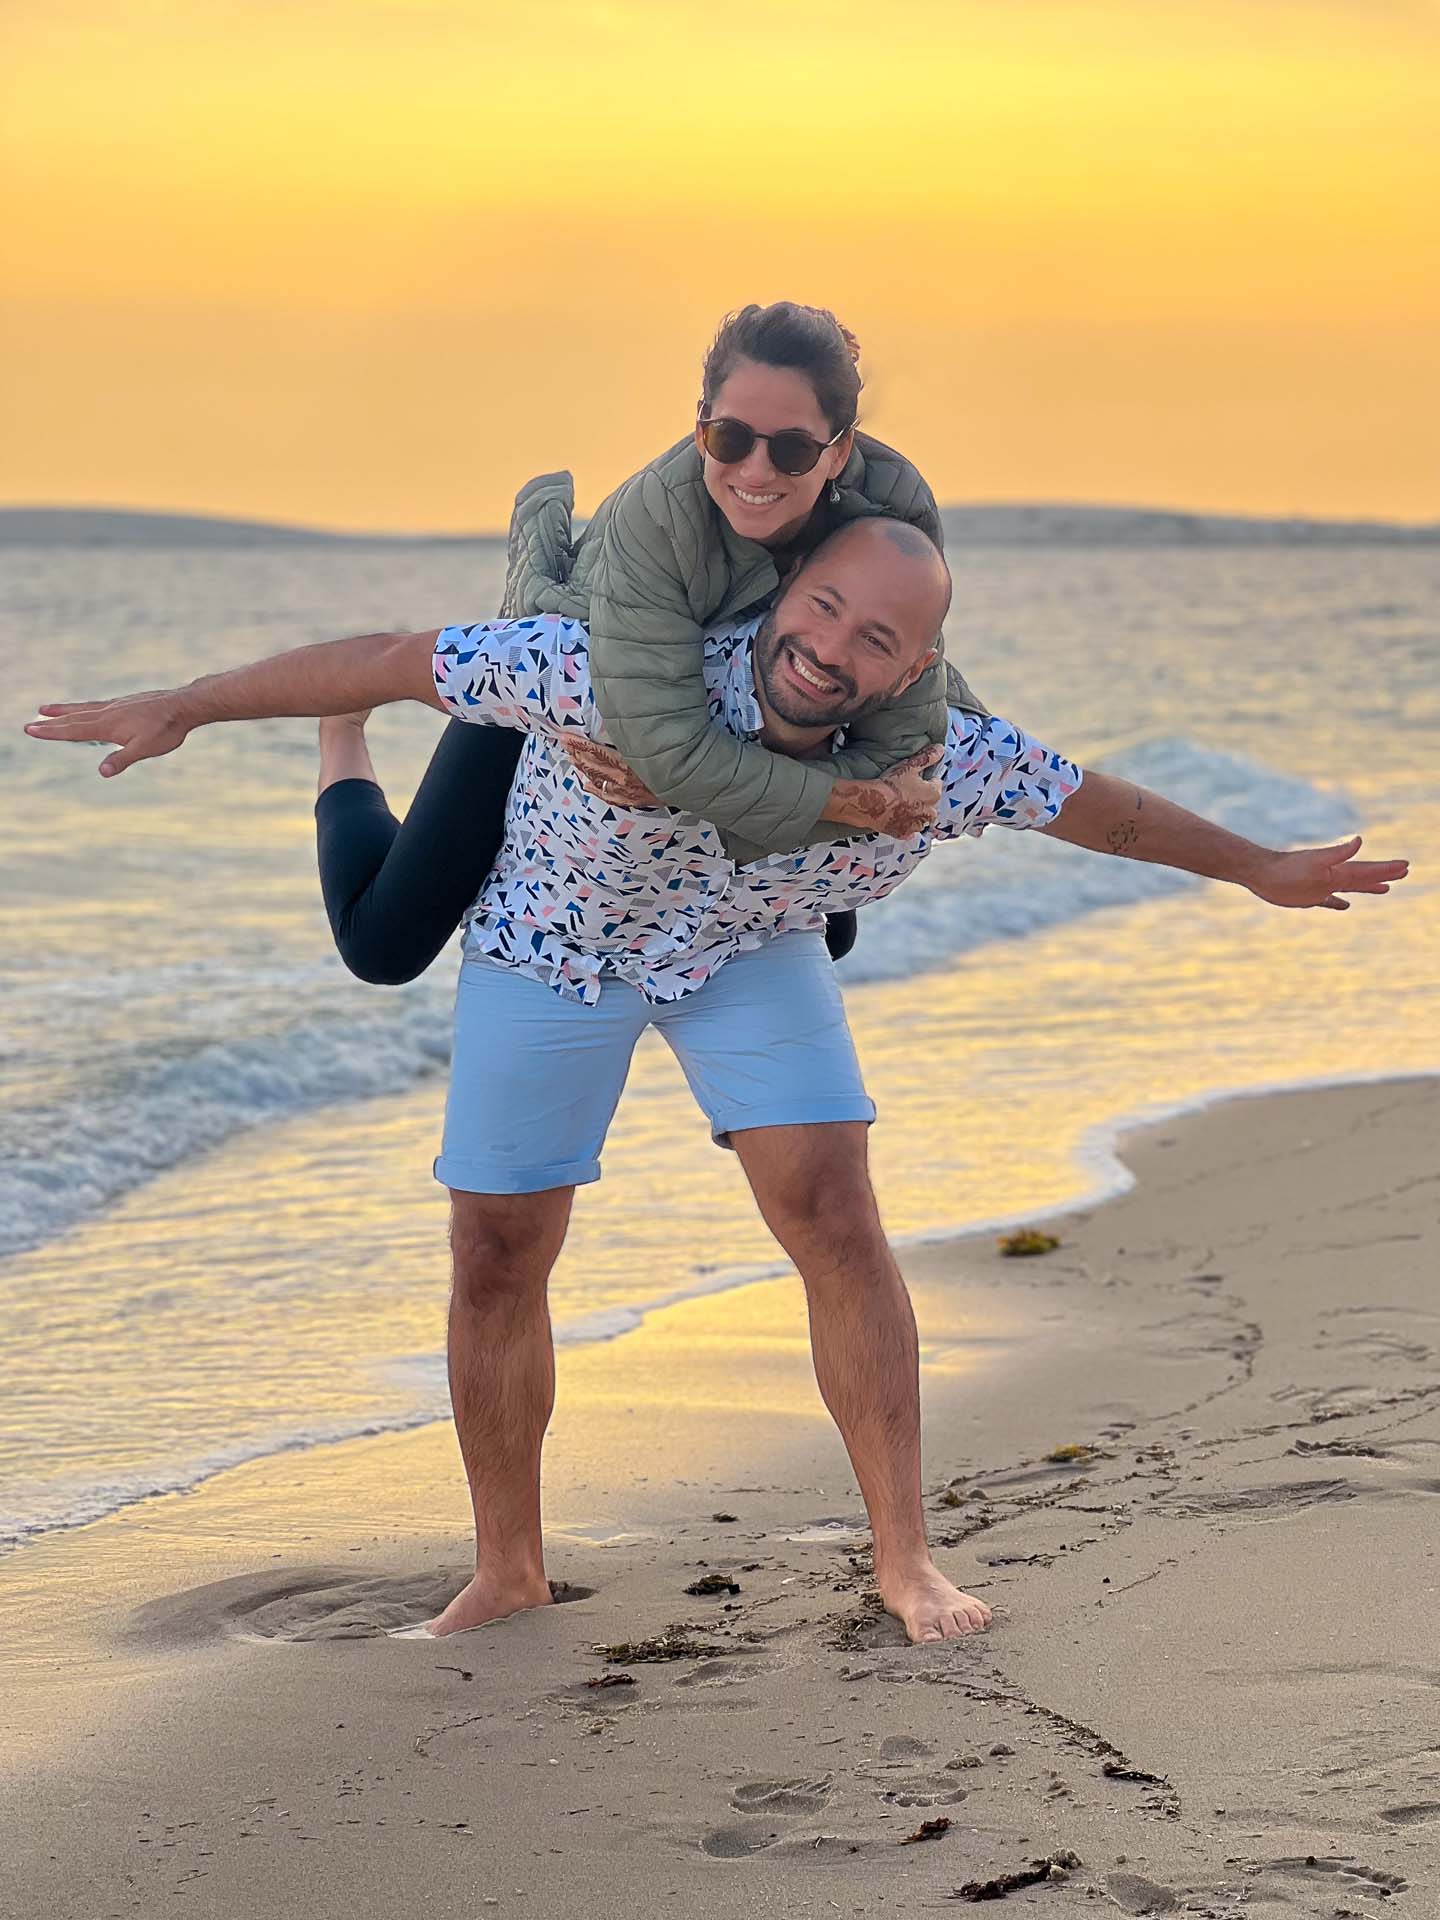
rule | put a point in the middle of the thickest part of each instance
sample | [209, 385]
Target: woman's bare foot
[929, 1607]
[490, 1599]
[344, 754]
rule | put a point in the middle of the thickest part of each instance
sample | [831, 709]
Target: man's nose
[830, 648]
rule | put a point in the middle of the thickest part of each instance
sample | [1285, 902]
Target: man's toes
[934, 1631]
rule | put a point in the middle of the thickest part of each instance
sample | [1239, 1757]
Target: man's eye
[824, 605]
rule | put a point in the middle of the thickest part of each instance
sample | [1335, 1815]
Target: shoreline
[1097, 1157]
[1208, 1680]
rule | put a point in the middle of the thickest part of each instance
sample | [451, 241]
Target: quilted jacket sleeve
[646, 662]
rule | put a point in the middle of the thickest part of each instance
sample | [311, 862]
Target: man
[602, 916]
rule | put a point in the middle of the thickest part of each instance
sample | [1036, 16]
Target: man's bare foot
[929, 1607]
[490, 1599]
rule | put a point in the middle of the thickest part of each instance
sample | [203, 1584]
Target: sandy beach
[1192, 1458]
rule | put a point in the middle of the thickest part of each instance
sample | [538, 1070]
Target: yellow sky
[371, 263]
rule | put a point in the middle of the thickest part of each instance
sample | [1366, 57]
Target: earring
[834, 494]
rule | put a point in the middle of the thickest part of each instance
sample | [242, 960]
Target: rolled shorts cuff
[465, 1175]
[789, 1113]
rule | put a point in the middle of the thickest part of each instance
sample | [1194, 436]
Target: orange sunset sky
[372, 263]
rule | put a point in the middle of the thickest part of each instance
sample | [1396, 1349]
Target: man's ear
[925, 661]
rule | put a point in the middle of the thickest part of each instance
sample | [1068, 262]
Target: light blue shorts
[535, 1079]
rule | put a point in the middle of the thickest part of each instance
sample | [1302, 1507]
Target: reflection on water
[293, 1283]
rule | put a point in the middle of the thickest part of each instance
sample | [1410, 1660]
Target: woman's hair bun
[787, 334]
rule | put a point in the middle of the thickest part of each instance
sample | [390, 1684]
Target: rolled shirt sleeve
[996, 774]
[532, 674]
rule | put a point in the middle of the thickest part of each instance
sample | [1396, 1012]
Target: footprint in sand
[900, 1789]
[306, 1603]
[1133, 1893]
[805, 1794]
[1320, 1868]
[923, 1790]
[1412, 1816]
[735, 1843]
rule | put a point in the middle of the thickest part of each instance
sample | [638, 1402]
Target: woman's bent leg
[395, 891]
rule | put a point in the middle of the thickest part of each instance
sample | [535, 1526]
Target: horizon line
[1036, 505]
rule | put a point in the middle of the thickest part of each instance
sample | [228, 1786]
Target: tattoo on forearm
[1122, 837]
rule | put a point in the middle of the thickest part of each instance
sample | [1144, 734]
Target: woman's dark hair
[808, 339]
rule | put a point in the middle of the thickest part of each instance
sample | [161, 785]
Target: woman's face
[762, 504]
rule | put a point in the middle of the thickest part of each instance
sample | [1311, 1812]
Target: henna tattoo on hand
[872, 805]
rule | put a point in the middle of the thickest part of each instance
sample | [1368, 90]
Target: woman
[705, 531]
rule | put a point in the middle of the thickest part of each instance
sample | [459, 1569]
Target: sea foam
[64, 1163]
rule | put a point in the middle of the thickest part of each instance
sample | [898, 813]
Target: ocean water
[219, 1237]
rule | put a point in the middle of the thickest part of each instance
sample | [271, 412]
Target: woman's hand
[901, 803]
[606, 775]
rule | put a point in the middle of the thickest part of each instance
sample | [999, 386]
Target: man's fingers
[84, 725]
[1366, 872]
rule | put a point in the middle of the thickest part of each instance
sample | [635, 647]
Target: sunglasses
[792, 450]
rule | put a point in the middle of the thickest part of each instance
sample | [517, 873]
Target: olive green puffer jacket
[656, 566]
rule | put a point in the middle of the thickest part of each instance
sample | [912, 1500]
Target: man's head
[857, 622]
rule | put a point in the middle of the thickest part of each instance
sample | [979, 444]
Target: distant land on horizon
[1019, 524]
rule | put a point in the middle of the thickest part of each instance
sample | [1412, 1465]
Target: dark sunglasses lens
[728, 440]
[794, 452]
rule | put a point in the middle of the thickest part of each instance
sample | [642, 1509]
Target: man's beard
[787, 703]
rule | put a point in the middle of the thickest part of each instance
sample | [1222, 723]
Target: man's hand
[1109, 815]
[606, 775]
[901, 803]
[331, 677]
[1318, 876]
[142, 725]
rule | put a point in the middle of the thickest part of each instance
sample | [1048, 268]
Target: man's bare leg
[812, 1185]
[502, 1389]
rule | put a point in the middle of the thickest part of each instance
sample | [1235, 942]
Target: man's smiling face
[853, 627]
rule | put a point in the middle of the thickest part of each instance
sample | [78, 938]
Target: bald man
[605, 914]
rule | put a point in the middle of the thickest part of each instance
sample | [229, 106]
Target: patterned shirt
[582, 890]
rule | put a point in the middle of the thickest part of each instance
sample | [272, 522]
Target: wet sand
[1212, 1686]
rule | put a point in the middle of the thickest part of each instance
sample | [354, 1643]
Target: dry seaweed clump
[1055, 1866]
[713, 1583]
[675, 1643]
[1026, 1241]
[927, 1830]
[1074, 1451]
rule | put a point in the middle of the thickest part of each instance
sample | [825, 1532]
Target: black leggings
[396, 890]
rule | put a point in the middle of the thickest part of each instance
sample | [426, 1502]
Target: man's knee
[505, 1242]
[812, 1183]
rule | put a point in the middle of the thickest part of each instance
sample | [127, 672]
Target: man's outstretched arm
[334, 676]
[1109, 815]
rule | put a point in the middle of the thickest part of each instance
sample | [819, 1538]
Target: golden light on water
[988, 1077]
[374, 264]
